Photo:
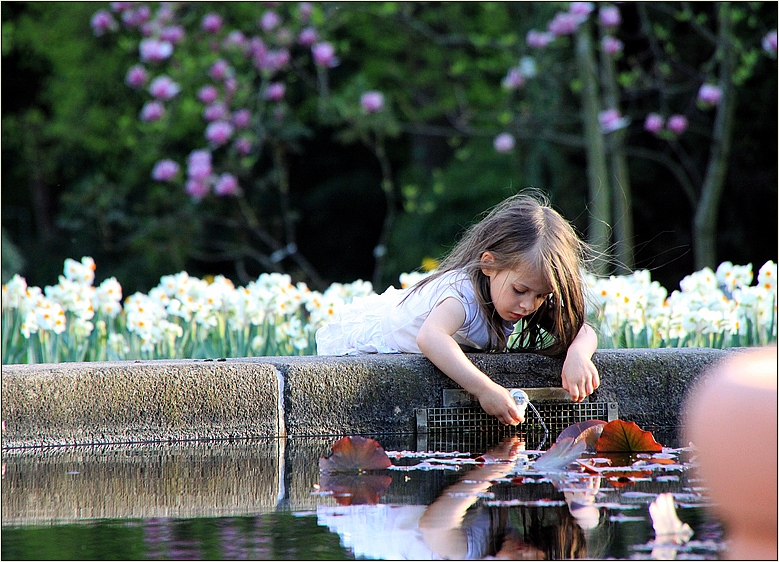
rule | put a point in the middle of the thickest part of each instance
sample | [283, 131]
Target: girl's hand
[580, 376]
[497, 401]
[435, 341]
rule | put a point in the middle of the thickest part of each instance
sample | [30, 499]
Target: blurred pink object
[730, 419]
[677, 124]
[504, 143]
[609, 16]
[710, 94]
[653, 123]
[372, 102]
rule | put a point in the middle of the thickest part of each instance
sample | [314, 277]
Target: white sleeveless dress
[387, 323]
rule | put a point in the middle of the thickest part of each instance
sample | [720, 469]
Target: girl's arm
[580, 376]
[441, 524]
[436, 342]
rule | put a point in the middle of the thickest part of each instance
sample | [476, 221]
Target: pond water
[266, 499]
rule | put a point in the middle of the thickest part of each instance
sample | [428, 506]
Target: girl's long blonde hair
[524, 230]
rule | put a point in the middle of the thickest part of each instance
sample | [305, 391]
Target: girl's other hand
[498, 402]
[580, 376]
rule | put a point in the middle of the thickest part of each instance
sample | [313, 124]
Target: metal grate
[444, 425]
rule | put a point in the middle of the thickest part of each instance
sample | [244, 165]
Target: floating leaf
[560, 455]
[618, 476]
[619, 436]
[355, 489]
[352, 454]
[587, 430]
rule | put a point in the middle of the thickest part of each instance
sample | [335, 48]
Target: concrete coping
[179, 400]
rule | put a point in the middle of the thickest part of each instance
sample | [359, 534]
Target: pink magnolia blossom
[120, 7]
[539, 39]
[197, 189]
[654, 123]
[219, 132]
[677, 124]
[372, 102]
[504, 143]
[150, 28]
[231, 85]
[769, 42]
[219, 69]
[324, 54]
[709, 94]
[256, 48]
[199, 165]
[581, 9]
[166, 12]
[165, 170]
[215, 112]
[211, 23]
[242, 118]
[136, 16]
[307, 36]
[208, 94]
[227, 184]
[305, 9]
[514, 79]
[564, 23]
[163, 88]
[609, 16]
[269, 21]
[102, 21]
[172, 33]
[273, 60]
[136, 77]
[234, 39]
[611, 45]
[152, 111]
[243, 146]
[154, 50]
[275, 91]
[611, 120]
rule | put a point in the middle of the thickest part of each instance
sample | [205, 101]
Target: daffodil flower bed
[187, 317]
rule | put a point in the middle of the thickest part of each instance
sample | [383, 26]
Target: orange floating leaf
[355, 453]
[619, 436]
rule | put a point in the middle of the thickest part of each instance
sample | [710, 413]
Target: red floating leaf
[354, 489]
[352, 454]
[626, 437]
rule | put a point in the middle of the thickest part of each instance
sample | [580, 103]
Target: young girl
[518, 270]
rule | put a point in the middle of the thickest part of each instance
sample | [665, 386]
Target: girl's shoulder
[455, 282]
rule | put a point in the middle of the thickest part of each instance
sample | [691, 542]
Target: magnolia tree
[654, 89]
[256, 78]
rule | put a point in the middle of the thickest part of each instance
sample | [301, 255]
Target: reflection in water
[455, 527]
[266, 499]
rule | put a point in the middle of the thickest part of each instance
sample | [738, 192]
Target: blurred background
[342, 141]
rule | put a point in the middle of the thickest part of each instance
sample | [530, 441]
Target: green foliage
[71, 129]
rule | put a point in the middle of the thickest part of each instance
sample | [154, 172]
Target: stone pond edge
[46, 405]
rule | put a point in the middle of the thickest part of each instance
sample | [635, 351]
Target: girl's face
[515, 293]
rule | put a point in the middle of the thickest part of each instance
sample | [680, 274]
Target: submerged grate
[438, 427]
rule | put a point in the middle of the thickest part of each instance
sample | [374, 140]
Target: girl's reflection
[457, 526]
[454, 529]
